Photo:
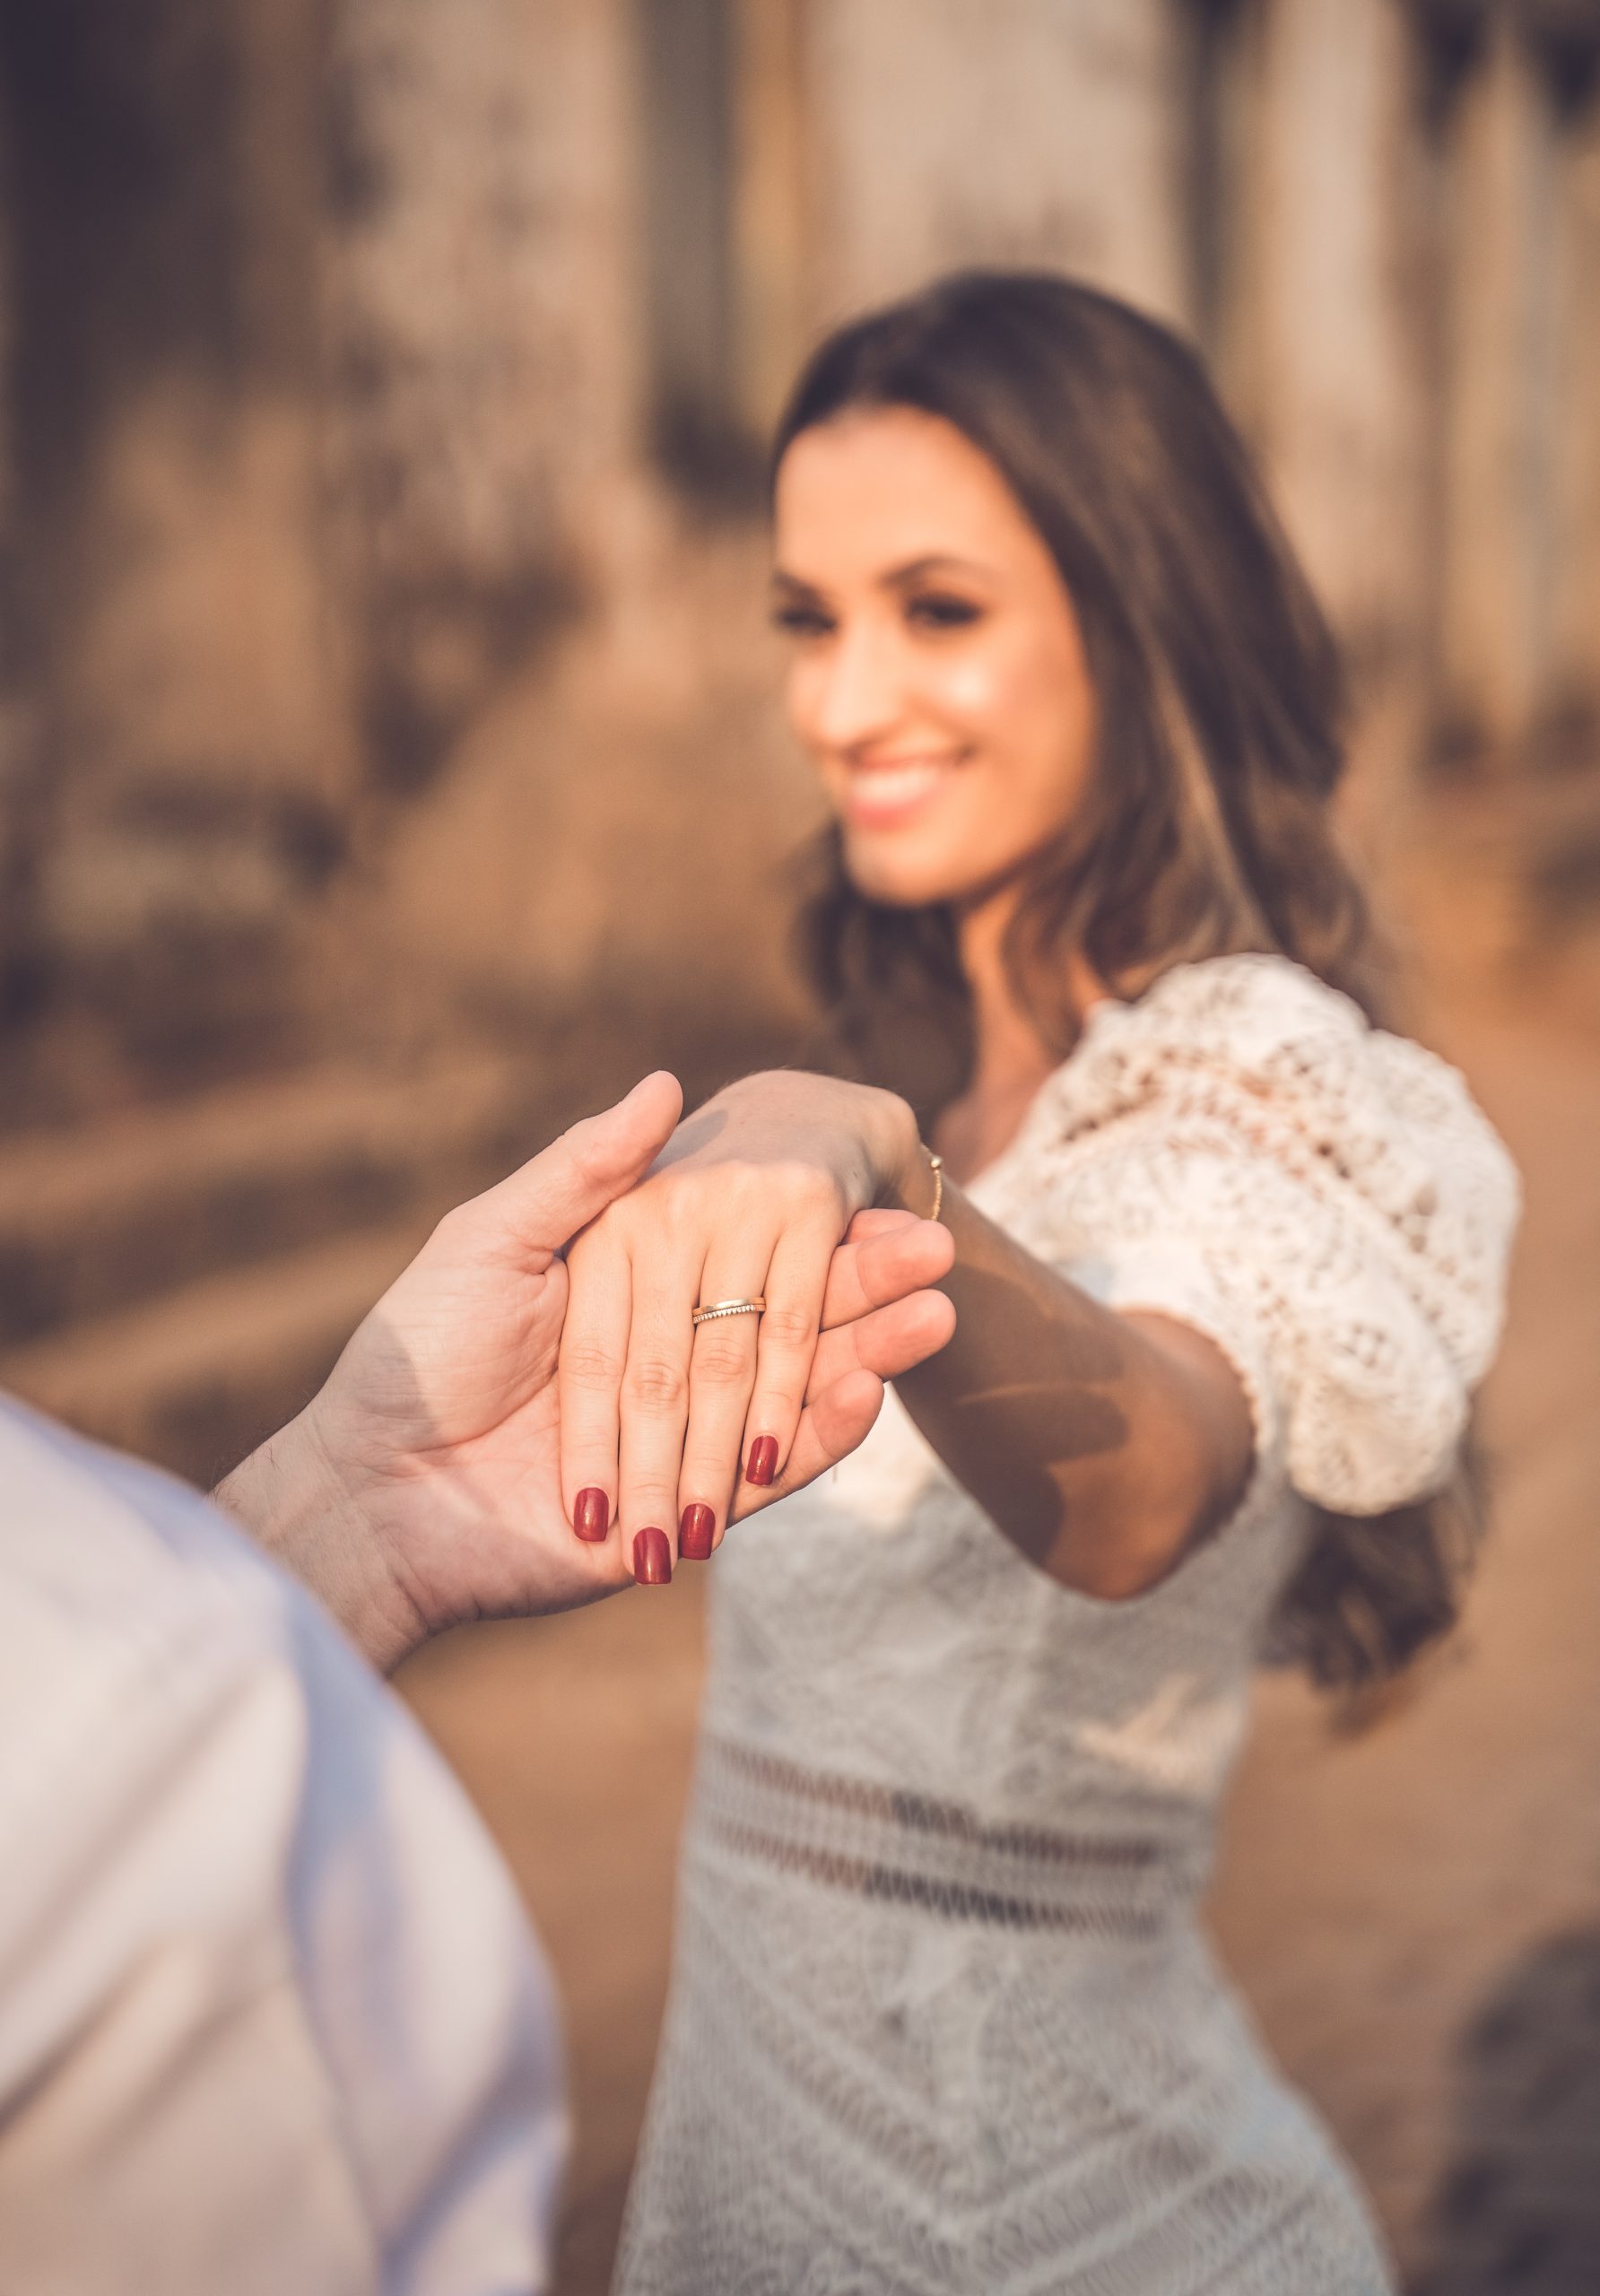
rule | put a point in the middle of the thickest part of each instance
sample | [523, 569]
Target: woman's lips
[880, 797]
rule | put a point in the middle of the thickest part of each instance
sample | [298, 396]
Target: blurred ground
[574, 1735]
[1414, 1914]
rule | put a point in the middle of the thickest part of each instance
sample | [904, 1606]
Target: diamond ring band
[757, 1307]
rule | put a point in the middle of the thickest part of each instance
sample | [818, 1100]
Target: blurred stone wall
[326, 476]
[384, 685]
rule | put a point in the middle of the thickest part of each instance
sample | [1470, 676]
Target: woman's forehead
[884, 489]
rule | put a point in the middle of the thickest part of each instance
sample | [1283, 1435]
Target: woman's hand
[749, 1200]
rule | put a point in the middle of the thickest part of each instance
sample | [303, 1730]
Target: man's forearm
[288, 1496]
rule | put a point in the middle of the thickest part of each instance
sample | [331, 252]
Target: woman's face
[938, 677]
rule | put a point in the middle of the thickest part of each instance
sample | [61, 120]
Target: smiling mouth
[876, 795]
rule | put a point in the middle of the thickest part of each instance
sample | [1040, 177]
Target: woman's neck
[1011, 1058]
[1008, 1046]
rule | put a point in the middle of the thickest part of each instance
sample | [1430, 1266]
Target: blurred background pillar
[466, 413]
[189, 729]
[1495, 576]
[1055, 138]
[1573, 712]
[774, 189]
[1326, 376]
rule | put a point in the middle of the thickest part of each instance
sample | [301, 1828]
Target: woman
[1229, 1260]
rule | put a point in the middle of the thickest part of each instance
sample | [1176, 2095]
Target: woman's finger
[667, 1264]
[594, 1354]
[797, 1281]
[721, 1381]
[885, 1255]
[830, 1427]
[846, 1390]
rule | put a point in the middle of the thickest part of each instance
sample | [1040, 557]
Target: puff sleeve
[1241, 1150]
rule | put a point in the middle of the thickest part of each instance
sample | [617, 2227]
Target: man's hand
[422, 1485]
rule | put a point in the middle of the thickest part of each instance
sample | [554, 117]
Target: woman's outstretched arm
[1104, 1444]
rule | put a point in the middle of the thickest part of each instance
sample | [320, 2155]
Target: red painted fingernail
[695, 1534]
[652, 1557]
[591, 1516]
[762, 1463]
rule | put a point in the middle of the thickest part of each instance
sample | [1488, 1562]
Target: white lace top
[941, 2019]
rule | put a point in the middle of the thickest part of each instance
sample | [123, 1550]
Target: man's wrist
[293, 1500]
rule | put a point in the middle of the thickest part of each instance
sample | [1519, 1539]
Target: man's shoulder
[102, 1552]
[137, 1625]
[161, 1683]
[241, 1892]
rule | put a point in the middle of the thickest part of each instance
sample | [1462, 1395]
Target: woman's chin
[903, 880]
[893, 888]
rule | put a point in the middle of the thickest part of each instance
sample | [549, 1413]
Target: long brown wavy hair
[1207, 827]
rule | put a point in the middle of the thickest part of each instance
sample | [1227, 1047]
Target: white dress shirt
[272, 2020]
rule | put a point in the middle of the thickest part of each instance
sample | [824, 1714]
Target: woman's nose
[856, 693]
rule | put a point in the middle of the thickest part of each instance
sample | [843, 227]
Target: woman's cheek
[1038, 712]
[972, 695]
[991, 690]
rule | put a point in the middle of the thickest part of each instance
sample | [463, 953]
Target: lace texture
[941, 2016]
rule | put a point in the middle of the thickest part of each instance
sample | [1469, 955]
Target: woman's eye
[937, 610]
[801, 622]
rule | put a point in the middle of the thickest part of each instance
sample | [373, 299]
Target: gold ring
[729, 1308]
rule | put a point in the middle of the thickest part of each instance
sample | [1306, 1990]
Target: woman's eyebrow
[938, 562]
[898, 577]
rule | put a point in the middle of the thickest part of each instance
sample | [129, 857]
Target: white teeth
[896, 785]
